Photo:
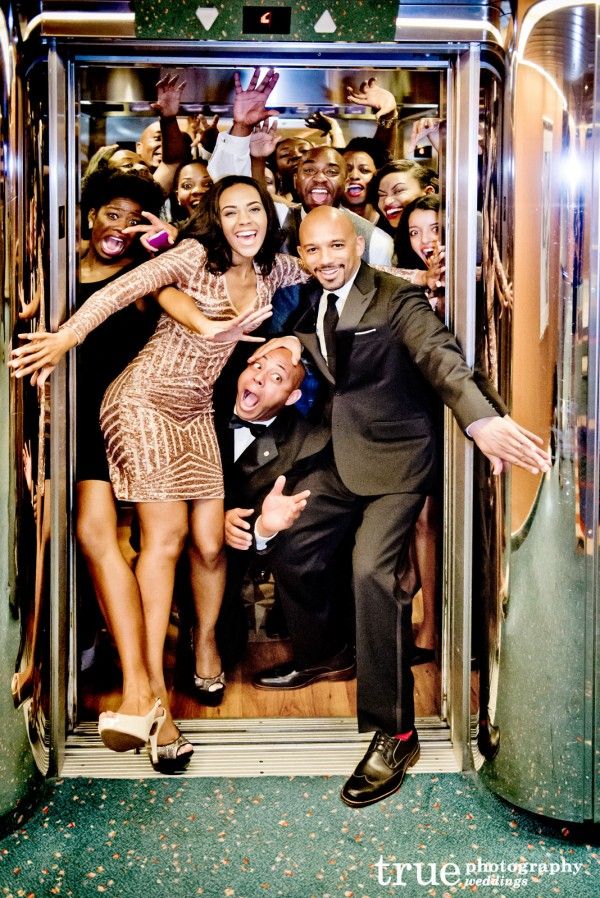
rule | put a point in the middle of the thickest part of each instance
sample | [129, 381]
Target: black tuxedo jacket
[391, 349]
[290, 445]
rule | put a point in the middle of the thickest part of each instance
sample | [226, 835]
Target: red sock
[402, 737]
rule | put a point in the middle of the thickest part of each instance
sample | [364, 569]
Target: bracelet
[388, 122]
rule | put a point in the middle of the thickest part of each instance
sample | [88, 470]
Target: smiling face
[361, 169]
[192, 182]
[107, 238]
[243, 221]
[396, 190]
[267, 385]
[330, 247]
[423, 232]
[320, 178]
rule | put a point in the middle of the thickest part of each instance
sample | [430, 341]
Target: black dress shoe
[381, 771]
[488, 739]
[286, 676]
[422, 656]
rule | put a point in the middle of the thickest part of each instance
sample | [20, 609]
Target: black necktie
[255, 428]
[330, 321]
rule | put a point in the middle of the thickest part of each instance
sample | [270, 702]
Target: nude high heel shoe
[124, 732]
[20, 691]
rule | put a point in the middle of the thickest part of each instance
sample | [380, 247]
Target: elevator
[521, 236]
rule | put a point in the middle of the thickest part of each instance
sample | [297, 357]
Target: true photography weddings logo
[479, 874]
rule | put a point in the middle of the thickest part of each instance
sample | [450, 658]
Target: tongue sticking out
[355, 190]
[113, 246]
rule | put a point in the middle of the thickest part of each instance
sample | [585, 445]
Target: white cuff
[231, 156]
[261, 542]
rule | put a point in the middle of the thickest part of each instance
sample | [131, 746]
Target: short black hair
[371, 146]
[205, 226]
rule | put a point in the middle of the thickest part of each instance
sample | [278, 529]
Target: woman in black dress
[110, 203]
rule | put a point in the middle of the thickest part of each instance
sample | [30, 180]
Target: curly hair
[105, 185]
[405, 255]
[205, 227]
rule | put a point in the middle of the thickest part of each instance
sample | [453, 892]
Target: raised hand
[237, 329]
[436, 268]
[505, 442]
[279, 512]
[168, 95]
[204, 133]
[249, 105]
[319, 121]
[264, 139]
[291, 343]
[370, 94]
[154, 227]
[237, 528]
[424, 128]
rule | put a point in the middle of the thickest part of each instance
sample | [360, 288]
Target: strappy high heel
[210, 690]
[124, 732]
[167, 758]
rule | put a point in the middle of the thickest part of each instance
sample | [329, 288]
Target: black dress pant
[301, 562]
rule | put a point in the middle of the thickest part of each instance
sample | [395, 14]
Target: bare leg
[116, 589]
[207, 570]
[163, 529]
[426, 537]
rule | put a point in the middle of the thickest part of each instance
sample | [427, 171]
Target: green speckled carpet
[441, 835]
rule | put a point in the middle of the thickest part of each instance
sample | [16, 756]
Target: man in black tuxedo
[265, 439]
[381, 350]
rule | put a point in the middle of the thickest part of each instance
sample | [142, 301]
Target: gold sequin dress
[157, 416]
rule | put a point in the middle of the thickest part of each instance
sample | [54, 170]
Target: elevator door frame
[293, 745]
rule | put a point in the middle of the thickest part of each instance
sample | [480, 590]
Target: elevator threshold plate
[290, 747]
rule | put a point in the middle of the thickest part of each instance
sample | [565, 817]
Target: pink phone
[159, 241]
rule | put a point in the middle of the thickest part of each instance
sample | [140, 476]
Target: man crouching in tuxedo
[265, 445]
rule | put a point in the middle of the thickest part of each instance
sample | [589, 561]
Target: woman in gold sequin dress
[157, 415]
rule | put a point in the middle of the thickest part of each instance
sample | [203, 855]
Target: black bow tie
[255, 428]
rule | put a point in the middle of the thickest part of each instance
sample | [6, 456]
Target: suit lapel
[359, 299]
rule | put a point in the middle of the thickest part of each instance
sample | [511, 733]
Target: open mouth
[393, 212]
[355, 190]
[329, 273]
[113, 246]
[246, 237]
[248, 401]
[319, 196]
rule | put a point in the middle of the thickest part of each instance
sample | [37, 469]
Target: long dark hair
[205, 226]
[404, 254]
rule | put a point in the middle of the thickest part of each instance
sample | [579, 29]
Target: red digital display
[267, 19]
